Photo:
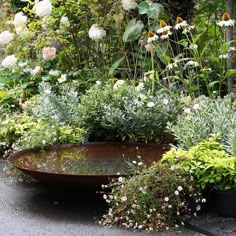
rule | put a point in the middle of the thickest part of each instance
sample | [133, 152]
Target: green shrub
[204, 117]
[123, 113]
[60, 106]
[20, 132]
[211, 166]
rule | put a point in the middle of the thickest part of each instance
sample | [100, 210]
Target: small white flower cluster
[129, 4]
[43, 8]
[96, 33]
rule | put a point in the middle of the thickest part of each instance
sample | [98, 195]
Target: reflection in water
[75, 161]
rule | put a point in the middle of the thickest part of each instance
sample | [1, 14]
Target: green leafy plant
[153, 199]
[210, 165]
[205, 116]
[60, 106]
[124, 113]
[23, 131]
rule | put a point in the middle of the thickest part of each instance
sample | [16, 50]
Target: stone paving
[35, 210]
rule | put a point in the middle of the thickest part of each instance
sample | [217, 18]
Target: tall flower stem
[153, 70]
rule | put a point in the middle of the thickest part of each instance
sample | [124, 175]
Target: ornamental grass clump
[153, 199]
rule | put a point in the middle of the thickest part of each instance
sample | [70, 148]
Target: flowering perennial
[9, 61]
[96, 33]
[43, 8]
[6, 37]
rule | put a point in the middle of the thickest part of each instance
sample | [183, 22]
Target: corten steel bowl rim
[14, 156]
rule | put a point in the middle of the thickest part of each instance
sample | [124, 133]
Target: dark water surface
[75, 161]
[96, 159]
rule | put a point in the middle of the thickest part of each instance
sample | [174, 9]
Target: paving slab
[35, 209]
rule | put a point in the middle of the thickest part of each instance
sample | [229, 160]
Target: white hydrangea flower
[20, 19]
[43, 8]
[6, 37]
[96, 33]
[9, 61]
[129, 4]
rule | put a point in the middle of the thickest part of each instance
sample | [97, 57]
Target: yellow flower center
[114, 80]
[162, 23]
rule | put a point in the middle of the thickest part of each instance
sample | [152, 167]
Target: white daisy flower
[188, 28]
[180, 23]
[226, 21]
[192, 63]
[165, 34]
[118, 83]
[166, 199]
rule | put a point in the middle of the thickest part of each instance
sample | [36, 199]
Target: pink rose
[49, 53]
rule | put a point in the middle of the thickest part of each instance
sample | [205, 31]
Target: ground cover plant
[153, 199]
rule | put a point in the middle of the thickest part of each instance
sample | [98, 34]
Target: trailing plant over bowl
[211, 166]
[153, 199]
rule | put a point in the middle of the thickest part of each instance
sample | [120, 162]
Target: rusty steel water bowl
[86, 165]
